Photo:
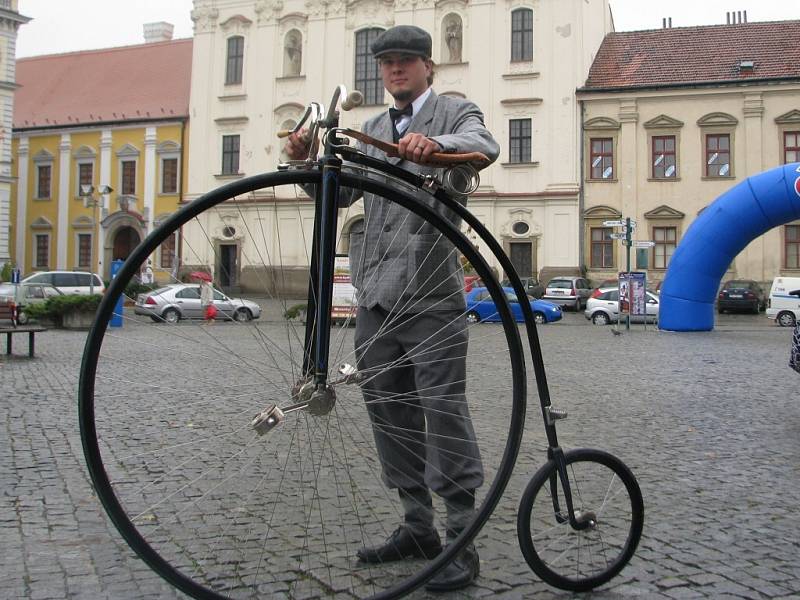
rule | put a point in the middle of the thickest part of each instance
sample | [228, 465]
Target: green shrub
[293, 312]
[5, 272]
[56, 307]
[133, 289]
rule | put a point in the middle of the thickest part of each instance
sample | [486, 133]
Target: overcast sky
[68, 25]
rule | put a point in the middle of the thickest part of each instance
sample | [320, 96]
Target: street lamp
[93, 202]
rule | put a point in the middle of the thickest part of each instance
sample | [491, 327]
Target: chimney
[158, 32]
[666, 23]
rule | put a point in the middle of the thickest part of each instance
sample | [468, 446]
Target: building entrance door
[125, 240]
[227, 267]
[522, 258]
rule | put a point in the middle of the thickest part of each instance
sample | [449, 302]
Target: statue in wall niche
[453, 37]
[293, 54]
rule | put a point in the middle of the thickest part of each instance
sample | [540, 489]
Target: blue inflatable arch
[713, 240]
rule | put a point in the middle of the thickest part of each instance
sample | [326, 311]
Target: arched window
[235, 60]
[368, 72]
[292, 53]
[453, 39]
[522, 35]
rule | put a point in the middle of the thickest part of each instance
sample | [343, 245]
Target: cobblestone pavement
[708, 422]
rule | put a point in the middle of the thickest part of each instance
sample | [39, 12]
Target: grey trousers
[420, 418]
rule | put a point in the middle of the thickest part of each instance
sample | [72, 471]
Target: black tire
[170, 316]
[600, 318]
[785, 319]
[156, 319]
[22, 318]
[242, 315]
[539, 318]
[615, 532]
[243, 515]
[473, 317]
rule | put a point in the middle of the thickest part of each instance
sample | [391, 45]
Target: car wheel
[785, 319]
[577, 306]
[170, 316]
[600, 318]
[242, 315]
[720, 310]
[156, 319]
[756, 308]
[539, 319]
[22, 318]
[472, 317]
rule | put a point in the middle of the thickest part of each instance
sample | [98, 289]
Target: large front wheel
[606, 496]
[222, 508]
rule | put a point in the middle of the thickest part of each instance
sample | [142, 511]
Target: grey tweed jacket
[398, 261]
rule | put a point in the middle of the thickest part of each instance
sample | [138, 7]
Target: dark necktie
[394, 115]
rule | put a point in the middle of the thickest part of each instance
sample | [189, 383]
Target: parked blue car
[481, 307]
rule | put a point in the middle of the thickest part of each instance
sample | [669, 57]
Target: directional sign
[613, 223]
[618, 236]
[643, 244]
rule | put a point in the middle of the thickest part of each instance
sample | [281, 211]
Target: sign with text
[344, 304]
[632, 297]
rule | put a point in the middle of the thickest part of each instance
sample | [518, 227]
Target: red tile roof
[696, 55]
[131, 83]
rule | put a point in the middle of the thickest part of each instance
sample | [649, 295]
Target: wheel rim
[472, 317]
[171, 316]
[600, 319]
[539, 318]
[242, 316]
[579, 560]
[281, 529]
[786, 320]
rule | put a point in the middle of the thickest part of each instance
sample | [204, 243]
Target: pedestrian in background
[207, 302]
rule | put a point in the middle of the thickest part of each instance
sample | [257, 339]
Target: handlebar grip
[354, 98]
[284, 133]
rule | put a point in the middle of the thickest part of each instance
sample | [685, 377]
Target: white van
[69, 282]
[784, 301]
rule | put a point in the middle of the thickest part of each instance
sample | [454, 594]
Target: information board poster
[344, 294]
[632, 297]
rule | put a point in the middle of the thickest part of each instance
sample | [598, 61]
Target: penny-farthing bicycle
[238, 460]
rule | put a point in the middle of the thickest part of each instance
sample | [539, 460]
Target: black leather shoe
[459, 573]
[403, 544]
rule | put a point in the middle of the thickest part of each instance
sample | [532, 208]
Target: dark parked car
[741, 295]
[531, 285]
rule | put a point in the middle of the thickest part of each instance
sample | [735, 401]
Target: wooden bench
[8, 313]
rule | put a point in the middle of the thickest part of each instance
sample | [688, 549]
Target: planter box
[78, 320]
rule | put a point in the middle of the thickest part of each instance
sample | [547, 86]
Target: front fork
[577, 519]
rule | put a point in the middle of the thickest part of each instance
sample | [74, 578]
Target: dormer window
[747, 66]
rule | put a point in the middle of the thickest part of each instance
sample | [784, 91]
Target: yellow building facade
[130, 139]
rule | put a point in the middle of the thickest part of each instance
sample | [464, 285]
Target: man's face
[405, 76]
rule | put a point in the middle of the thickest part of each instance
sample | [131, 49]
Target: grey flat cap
[404, 39]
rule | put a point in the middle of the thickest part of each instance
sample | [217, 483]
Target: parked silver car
[603, 307]
[182, 301]
[24, 294]
[569, 292]
[69, 282]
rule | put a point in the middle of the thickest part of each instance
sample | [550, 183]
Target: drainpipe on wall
[179, 236]
[581, 193]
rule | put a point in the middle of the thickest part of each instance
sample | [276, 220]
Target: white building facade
[10, 20]
[256, 64]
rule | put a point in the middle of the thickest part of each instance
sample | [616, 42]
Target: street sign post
[613, 223]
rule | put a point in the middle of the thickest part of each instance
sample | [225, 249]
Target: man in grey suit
[411, 315]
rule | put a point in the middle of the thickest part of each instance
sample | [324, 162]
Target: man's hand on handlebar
[417, 148]
[298, 144]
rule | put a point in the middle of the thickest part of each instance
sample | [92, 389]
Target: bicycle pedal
[267, 420]
[554, 414]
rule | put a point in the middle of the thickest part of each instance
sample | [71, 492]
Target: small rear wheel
[605, 492]
[785, 319]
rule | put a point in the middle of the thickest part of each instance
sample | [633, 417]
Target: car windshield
[560, 284]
